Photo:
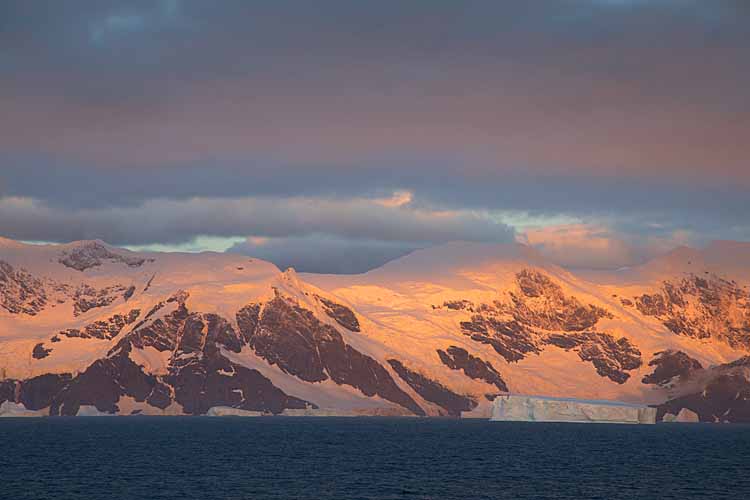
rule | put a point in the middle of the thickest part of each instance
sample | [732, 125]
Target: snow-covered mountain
[89, 328]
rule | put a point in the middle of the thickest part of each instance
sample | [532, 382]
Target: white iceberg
[522, 408]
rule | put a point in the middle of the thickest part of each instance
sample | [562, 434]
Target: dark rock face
[105, 382]
[510, 339]
[128, 293]
[611, 358]
[717, 394]
[162, 333]
[40, 392]
[541, 315]
[7, 391]
[519, 326]
[202, 377]
[292, 338]
[199, 375]
[156, 308]
[457, 358]
[651, 305]
[104, 329]
[701, 308]
[458, 305]
[93, 254]
[670, 364]
[40, 352]
[247, 321]
[21, 292]
[341, 314]
[148, 285]
[207, 380]
[220, 332]
[534, 284]
[86, 297]
[724, 399]
[743, 362]
[288, 336]
[433, 391]
[543, 305]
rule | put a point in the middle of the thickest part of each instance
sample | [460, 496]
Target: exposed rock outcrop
[611, 358]
[292, 338]
[103, 329]
[93, 254]
[199, 375]
[541, 315]
[203, 378]
[459, 305]
[103, 383]
[520, 326]
[473, 367]
[39, 393]
[670, 364]
[87, 297]
[542, 304]
[510, 339]
[20, 291]
[716, 394]
[725, 399]
[433, 391]
[40, 352]
[341, 314]
[702, 308]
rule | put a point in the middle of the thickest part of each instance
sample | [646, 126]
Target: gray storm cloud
[324, 254]
[154, 122]
[170, 221]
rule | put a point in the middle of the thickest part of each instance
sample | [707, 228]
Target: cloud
[157, 122]
[325, 254]
[309, 234]
[653, 90]
[178, 221]
[595, 246]
[397, 199]
[433, 183]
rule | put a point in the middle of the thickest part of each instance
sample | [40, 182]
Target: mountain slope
[437, 332]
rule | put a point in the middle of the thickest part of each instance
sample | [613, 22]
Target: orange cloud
[595, 246]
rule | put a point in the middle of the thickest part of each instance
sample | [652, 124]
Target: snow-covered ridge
[439, 332]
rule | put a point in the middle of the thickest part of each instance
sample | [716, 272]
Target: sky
[333, 136]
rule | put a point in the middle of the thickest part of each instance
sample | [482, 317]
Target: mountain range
[87, 328]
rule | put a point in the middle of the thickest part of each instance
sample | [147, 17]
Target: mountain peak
[462, 254]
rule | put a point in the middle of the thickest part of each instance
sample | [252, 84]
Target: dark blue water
[367, 458]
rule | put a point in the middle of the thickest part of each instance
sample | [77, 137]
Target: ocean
[203, 458]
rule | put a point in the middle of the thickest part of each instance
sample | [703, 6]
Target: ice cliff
[546, 409]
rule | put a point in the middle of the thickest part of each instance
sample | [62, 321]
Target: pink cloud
[593, 246]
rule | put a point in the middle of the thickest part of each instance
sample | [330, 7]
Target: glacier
[522, 408]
